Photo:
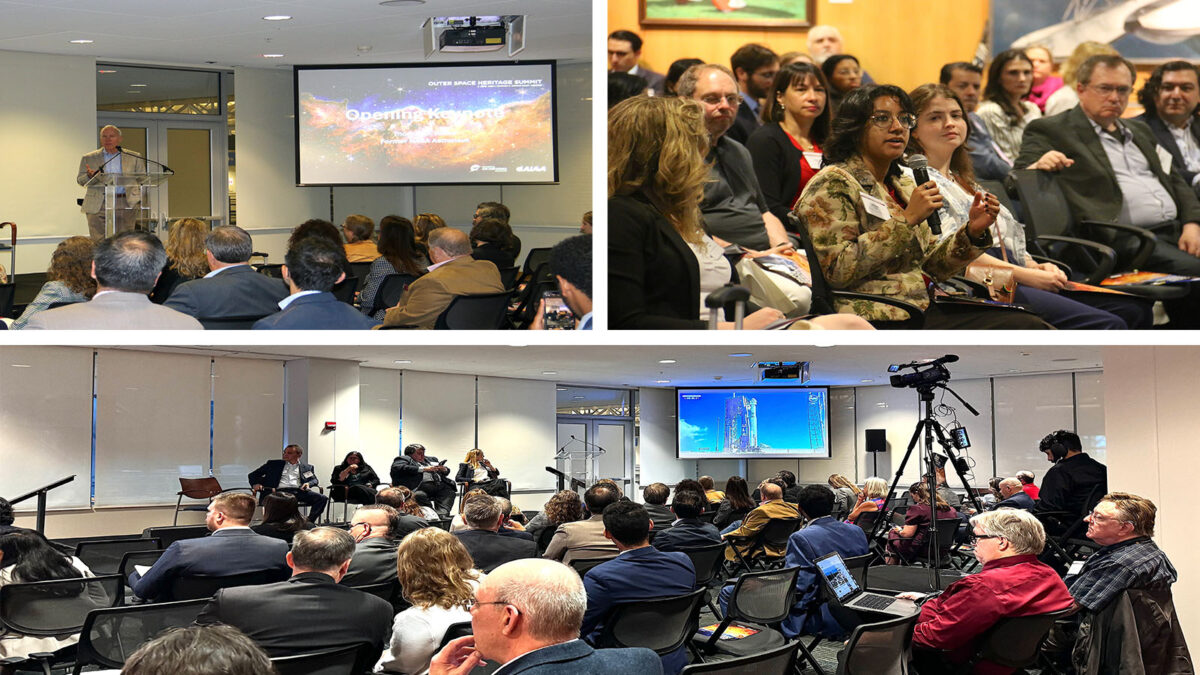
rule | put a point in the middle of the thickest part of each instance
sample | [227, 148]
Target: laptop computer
[844, 590]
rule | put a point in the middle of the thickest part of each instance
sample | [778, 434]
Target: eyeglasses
[1109, 90]
[1100, 517]
[883, 120]
[734, 100]
[976, 537]
[473, 605]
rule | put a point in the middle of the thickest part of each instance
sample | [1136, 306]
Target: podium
[577, 464]
[146, 183]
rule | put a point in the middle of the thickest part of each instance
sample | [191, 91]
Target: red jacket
[1014, 586]
[1031, 490]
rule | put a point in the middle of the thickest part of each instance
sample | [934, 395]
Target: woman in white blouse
[438, 577]
[1003, 110]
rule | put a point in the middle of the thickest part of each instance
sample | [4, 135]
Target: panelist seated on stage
[453, 273]
[424, 473]
[233, 548]
[125, 267]
[353, 480]
[289, 475]
[479, 474]
[105, 160]
[311, 268]
[232, 288]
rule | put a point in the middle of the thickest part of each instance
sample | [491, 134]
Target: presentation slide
[465, 123]
[745, 423]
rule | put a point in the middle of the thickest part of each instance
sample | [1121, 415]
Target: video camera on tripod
[935, 372]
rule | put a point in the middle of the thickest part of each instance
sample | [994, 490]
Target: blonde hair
[876, 488]
[1021, 528]
[1137, 511]
[434, 568]
[185, 247]
[473, 457]
[837, 480]
[1083, 52]
[656, 148]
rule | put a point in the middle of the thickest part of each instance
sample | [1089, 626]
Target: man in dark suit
[1112, 170]
[1171, 98]
[311, 268]
[424, 473]
[309, 612]
[377, 530]
[624, 51]
[489, 549]
[1014, 496]
[233, 548]
[754, 67]
[232, 288]
[526, 617]
[655, 497]
[453, 273]
[290, 475]
[688, 531]
[639, 572]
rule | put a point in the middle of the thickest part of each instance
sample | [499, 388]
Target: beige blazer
[93, 201]
[113, 311]
[581, 540]
[430, 295]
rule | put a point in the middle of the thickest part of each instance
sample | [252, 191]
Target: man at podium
[105, 159]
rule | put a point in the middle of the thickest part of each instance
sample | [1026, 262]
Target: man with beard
[754, 67]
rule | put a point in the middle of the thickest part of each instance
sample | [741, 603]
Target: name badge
[1164, 158]
[1075, 568]
[307, 474]
[814, 160]
[875, 206]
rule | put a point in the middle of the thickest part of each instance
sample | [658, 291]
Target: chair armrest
[916, 316]
[1108, 255]
[1061, 265]
[1145, 248]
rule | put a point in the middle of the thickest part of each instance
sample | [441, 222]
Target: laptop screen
[838, 576]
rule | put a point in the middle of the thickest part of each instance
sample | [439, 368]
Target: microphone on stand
[920, 167]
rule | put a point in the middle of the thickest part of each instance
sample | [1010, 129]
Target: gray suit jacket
[93, 201]
[374, 562]
[236, 291]
[581, 540]
[116, 310]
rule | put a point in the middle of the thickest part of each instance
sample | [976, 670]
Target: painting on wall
[728, 13]
[1142, 30]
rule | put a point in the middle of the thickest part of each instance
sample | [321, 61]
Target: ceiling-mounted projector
[474, 34]
[784, 370]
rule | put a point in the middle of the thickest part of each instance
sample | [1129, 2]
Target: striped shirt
[1005, 132]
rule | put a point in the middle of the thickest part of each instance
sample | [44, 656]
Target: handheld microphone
[920, 167]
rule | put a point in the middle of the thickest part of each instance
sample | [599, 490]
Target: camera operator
[1068, 484]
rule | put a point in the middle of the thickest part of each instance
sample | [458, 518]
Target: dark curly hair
[71, 263]
[1149, 93]
[493, 231]
[853, 117]
[564, 507]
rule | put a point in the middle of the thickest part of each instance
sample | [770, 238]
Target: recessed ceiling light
[81, 42]
[866, 380]
[576, 398]
[272, 56]
[401, 3]
[549, 372]
[881, 404]
[106, 72]
[667, 361]
[560, 388]
[21, 365]
[276, 17]
[1065, 360]
[402, 361]
[662, 381]
[739, 355]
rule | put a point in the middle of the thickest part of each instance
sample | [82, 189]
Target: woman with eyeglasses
[867, 221]
[1004, 110]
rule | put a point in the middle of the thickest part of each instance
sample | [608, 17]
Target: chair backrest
[1000, 190]
[1014, 642]
[1045, 207]
[764, 597]
[866, 520]
[143, 558]
[110, 635]
[776, 532]
[344, 290]
[390, 290]
[229, 322]
[582, 565]
[661, 624]
[780, 660]
[172, 533]
[339, 661]
[879, 648]
[455, 631]
[273, 270]
[508, 277]
[8, 293]
[544, 537]
[200, 488]
[707, 561]
[474, 312]
[360, 271]
[708, 516]
[387, 590]
[44, 608]
[193, 587]
[822, 293]
[103, 556]
[858, 567]
[535, 259]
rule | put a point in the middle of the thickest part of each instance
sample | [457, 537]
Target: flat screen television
[409, 124]
[752, 422]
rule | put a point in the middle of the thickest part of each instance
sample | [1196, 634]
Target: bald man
[1013, 496]
[104, 160]
[825, 41]
[773, 507]
[453, 273]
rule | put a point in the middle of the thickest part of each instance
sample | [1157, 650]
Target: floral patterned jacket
[859, 251]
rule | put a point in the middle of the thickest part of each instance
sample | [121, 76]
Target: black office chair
[463, 629]
[474, 312]
[170, 534]
[196, 587]
[54, 609]
[337, 661]
[273, 270]
[533, 260]
[661, 624]
[345, 289]
[390, 290]
[582, 565]
[544, 537]
[1016, 641]
[360, 270]
[388, 590]
[780, 660]
[110, 635]
[708, 561]
[245, 322]
[103, 556]
[751, 551]
[508, 277]
[881, 647]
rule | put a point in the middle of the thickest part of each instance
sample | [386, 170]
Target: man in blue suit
[232, 288]
[290, 475]
[823, 535]
[688, 530]
[311, 268]
[1014, 496]
[233, 548]
[526, 617]
[639, 572]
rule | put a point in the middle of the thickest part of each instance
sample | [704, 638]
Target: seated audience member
[232, 548]
[1004, 110]
[640, 571]
[402, 499]
[1013, 496]
[68, 280]
[399, 253]
[26, 556]
[585, 224]
[693, 485]
[584, 539]
[735, 504]
[623, 85]
[291, 475]
[438, 577]
[624, 51]
[1065, 98]
[870, 499]
[825, 41]
[353, 480]
[453, 273]
[199, 650]
[912, 540]
[687, 531]
[788, 58]
[866, 220]
[571, 265]
[487, 547]
[423, 224]
[423, 473]
[1044, 81]
[753, 67]
[311, 269]
[526, 618]
[844, 76]
[942, 135]
[1027, 484]
[281, 517]
[1074, 477]
[1171, 98]
[497, 211]
[458, 523]
[125, 267]
[845, 495]
[321, 229]
[563, 507]
[186, 259]
[654, 497]
[677, 69]
[987, 159]
[772, 508]
[1090, 140]
[791, 491]
[7, 518]
[511, 520]
[377, 530]
[821, 536]
[478, 473]
[786, 150]
[267, 613]
[949, 496]
[232, 287]
[993, 496]
[713, 495]
[493, 239]
[1012, 583]
[358, 230]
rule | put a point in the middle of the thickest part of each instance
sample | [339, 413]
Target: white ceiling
[638, 365]
[226, 33]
